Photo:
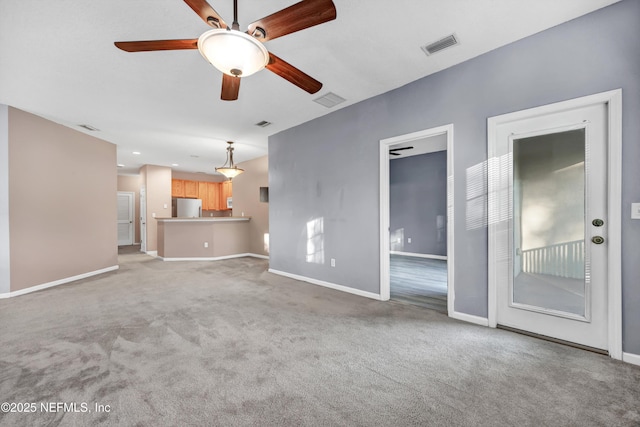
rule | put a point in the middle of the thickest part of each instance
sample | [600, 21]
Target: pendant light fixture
[229, 169]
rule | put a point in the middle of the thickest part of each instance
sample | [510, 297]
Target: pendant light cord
[235, 24]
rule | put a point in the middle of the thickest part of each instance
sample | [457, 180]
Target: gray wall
[417, 197]
[329, 167]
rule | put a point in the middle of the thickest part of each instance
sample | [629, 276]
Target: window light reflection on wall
[315, 241]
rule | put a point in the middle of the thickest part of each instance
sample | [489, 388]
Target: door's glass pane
[549, 221]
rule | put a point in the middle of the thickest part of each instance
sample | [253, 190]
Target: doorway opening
[126, 226]
[416, 219]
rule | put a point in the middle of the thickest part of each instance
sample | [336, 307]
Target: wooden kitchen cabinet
[191, 189]
[203, 194]
[177, 188]
[225, 192]
[213, 193]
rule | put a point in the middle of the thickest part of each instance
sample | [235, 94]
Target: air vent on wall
[263, 124]
[441, 44]
[329, 100]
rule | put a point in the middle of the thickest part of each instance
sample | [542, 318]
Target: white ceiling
[57, 60]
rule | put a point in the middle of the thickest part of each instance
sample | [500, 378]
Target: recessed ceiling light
[174, 164]
[136, 153]
[263, 124]
[120, 165]
[194, 156]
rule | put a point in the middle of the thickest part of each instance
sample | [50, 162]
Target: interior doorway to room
[416, 210]
[125, 218]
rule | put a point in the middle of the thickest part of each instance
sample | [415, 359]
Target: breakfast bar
[202, 238]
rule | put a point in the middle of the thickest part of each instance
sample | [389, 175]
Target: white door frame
[143, 219]
[385, 282]
[613, 99]
[132, 210]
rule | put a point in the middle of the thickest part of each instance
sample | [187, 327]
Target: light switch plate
[635, 210]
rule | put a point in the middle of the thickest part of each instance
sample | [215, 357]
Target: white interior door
[143, 220]
[550, 224]
[125, 218]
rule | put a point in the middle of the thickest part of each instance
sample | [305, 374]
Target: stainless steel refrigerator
[189, 208]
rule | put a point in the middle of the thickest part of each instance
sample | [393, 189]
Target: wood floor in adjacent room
[419, 281]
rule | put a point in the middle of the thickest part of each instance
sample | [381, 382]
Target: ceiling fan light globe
[233, 52]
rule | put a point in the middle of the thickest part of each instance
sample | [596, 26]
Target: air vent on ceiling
[441, 44]
[263, 124]
[329, 100]
[88, 127]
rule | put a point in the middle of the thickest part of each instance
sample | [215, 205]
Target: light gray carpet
[226, 343]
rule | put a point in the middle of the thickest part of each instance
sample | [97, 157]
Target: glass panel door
[548, 241]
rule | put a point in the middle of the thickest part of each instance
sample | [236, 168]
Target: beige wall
[4, 200]
[246, 199]
[62, 202]
[131, 183]
[198, 176]
[157, 182]
[177, 239]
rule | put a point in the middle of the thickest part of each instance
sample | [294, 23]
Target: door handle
[598, 240]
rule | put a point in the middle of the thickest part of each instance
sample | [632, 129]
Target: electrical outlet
[333, 262]
[635, 210]
[409, 240]
[165, 206]
[153, 215]
[206, 244]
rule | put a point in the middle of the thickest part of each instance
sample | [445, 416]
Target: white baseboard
[482, 321]
[634, 359]
[327, 284]
[218, 258]
[57, 282]
[152, 253]
[442, 257]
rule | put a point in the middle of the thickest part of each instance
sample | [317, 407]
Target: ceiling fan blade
[304, 14]
[230, 87]
[292, 74]
[206, 12]
[149, 45]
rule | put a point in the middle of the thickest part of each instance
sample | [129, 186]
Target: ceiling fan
[239, 54]
[392, 151]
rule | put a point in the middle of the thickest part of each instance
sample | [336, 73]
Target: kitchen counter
[207, 238]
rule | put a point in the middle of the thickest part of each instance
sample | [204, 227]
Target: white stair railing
[561, 260]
